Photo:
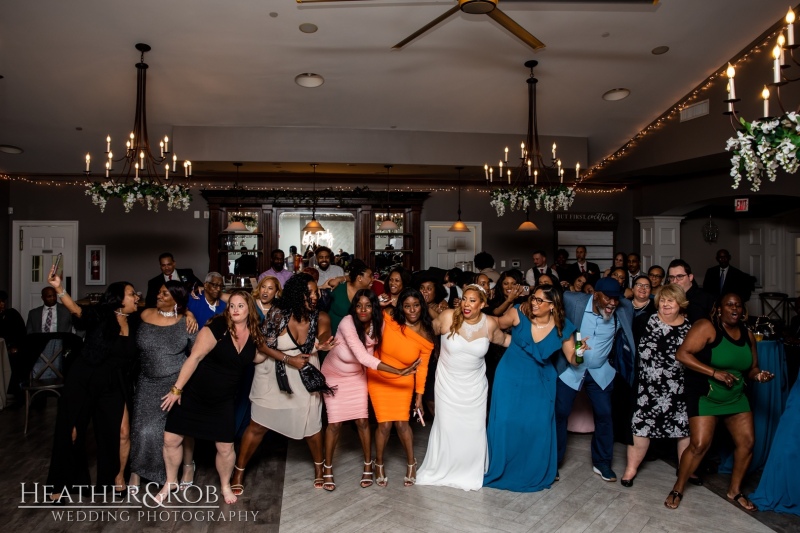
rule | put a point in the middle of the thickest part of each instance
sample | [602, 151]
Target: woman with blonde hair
[457, 444]
[267, 290]
[659, 401]
[522, 414]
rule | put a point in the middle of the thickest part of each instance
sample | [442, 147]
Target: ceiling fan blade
[448, 14]
[516, 30]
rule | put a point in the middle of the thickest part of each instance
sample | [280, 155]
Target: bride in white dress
[457, 451]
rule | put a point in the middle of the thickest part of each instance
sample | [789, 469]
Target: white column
[659, 240]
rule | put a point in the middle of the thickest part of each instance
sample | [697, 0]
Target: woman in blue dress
[522, 425]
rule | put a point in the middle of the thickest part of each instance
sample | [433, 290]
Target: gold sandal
[367, 482]
[381, 479]
[409, 480]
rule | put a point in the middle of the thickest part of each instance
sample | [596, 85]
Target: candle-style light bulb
[108, 167]
[529, 168]
[166, 144]
[731, 72]
[174, 162]
[161, 144]
[185, 169]
[577, 171]
[133, 146]
[790, 27]
[500, 169]
[554, 150]
[522, 149]
[136, 166]
[491, 174]
[108, 143]
[166, 170]
[765, 96]
[190, 168]
[776, 54]
[486, 171]
[506, 157]
[88, 160]
[509, 176]
[535, 176]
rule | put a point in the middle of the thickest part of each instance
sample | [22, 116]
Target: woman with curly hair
[719, 355]
[293, 331]
[265, 292]
[456, 453]
[359, 334]
[407, 336]
[522, 414]
[201, 402]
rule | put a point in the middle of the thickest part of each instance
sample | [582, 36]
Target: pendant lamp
[387, 224]
[314, 226]
[527, 225]
[458, 225]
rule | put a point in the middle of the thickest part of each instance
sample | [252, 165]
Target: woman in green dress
[358, 277]
[719, 354]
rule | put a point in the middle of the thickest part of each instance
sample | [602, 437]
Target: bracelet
[714, 374]
[175, 390]
[285, 359]
[60, 294]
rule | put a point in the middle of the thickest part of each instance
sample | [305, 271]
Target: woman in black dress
[201, 403]
[94, 389]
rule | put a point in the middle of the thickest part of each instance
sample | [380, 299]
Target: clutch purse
[314, 380]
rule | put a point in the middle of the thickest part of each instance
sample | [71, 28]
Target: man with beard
[600, 318]
[277, 261]
[539, 267]
[326, 269]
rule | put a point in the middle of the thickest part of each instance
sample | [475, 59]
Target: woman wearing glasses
[522, 413]
[643, 305]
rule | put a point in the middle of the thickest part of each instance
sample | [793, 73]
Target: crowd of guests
[496, 356]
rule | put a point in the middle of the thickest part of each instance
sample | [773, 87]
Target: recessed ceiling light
[273, 14]
[604, 34]
[309, 80]
[78, 128]
[616, 94]
[8, 149]
[307, 27]
[658, 50]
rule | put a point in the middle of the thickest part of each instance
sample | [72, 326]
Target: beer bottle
[578, 348]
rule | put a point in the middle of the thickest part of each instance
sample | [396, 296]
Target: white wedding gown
[457, 450]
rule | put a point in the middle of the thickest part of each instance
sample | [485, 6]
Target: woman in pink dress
[358, 334]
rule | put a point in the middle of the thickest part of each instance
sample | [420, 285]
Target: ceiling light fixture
[388, 224]
[8, 149]
[139, 177]
[523, 179]
[659, 50]
[309, 80]
[458, 225]
[308, 27]
[613, 95]
[527, 225]
[313, 226]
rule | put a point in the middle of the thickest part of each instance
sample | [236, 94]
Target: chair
[35, 349]
[774, 305]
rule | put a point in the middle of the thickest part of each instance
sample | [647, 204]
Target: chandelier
[518, 184]
[143, 176]
[762, 146]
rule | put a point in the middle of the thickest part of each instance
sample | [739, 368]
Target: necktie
[721, 279]
[583, 269]
[541, 271]
[48, 321]
[170, 277]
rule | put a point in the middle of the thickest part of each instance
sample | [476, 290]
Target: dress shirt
[283, 276]
[53, 319]
[595, 360]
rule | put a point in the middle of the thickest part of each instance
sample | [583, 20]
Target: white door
[35, 246]
[443, 249]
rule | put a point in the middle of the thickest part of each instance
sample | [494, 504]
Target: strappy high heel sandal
[237, 488]
[367, 482]
[330, 486]
[318, 481]
[409, 480]
[381, 479]
[183, 485]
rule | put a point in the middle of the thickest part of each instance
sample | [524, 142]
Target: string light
[687, 100]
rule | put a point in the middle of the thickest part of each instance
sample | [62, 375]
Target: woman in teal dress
[358, 277]
[522, 425]
[719, 354]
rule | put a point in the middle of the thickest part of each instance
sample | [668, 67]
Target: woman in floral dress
[660, 405]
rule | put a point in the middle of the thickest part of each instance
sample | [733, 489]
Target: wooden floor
[278, 489]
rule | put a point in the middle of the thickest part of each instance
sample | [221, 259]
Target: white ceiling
[216, 64]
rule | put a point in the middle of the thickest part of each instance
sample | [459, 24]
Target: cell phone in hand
[419, 416]
[526, 289]
[58, 265]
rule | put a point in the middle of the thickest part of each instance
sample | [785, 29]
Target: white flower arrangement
[147, 193]
[547, 198]
[761, 147]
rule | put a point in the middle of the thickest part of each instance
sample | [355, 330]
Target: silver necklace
[469, 330]
[167, 314]
[120, 313]
[537, 326]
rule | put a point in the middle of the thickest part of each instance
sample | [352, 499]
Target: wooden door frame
[16, 266]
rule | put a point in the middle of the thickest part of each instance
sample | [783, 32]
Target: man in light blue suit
[604, 320]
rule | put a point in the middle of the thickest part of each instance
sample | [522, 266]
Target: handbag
[313, 380]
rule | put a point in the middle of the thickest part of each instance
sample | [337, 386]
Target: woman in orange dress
[407, 336]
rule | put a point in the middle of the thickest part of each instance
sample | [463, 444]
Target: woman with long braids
[359, 333]
[94, 390]
[201, 402]
[407, 336]
[522, 423]
[456, 453]
[293, 331]
[719, 355]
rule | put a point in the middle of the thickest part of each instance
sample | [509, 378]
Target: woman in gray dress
[163, 346]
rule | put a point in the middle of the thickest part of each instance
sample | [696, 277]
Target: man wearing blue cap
[604, 320]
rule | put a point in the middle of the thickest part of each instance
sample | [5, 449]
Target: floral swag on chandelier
[551, 199]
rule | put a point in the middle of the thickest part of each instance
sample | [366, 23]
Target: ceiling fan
[488, 7]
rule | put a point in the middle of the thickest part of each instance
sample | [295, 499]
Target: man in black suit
[700, 302]
[725, 278]
[168, 273]
[52, 317]
[634, 269]
[582, 266]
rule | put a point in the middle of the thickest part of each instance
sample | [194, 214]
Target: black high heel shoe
[628, 483]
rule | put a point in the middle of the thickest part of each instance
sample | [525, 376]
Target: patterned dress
[660, 410]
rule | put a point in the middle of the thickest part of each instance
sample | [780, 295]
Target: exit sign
[741, 205]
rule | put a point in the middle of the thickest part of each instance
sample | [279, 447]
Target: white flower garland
[145, 192]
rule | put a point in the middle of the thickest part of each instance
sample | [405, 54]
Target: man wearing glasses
[604, 320]
[209, 303]
[700, 302]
